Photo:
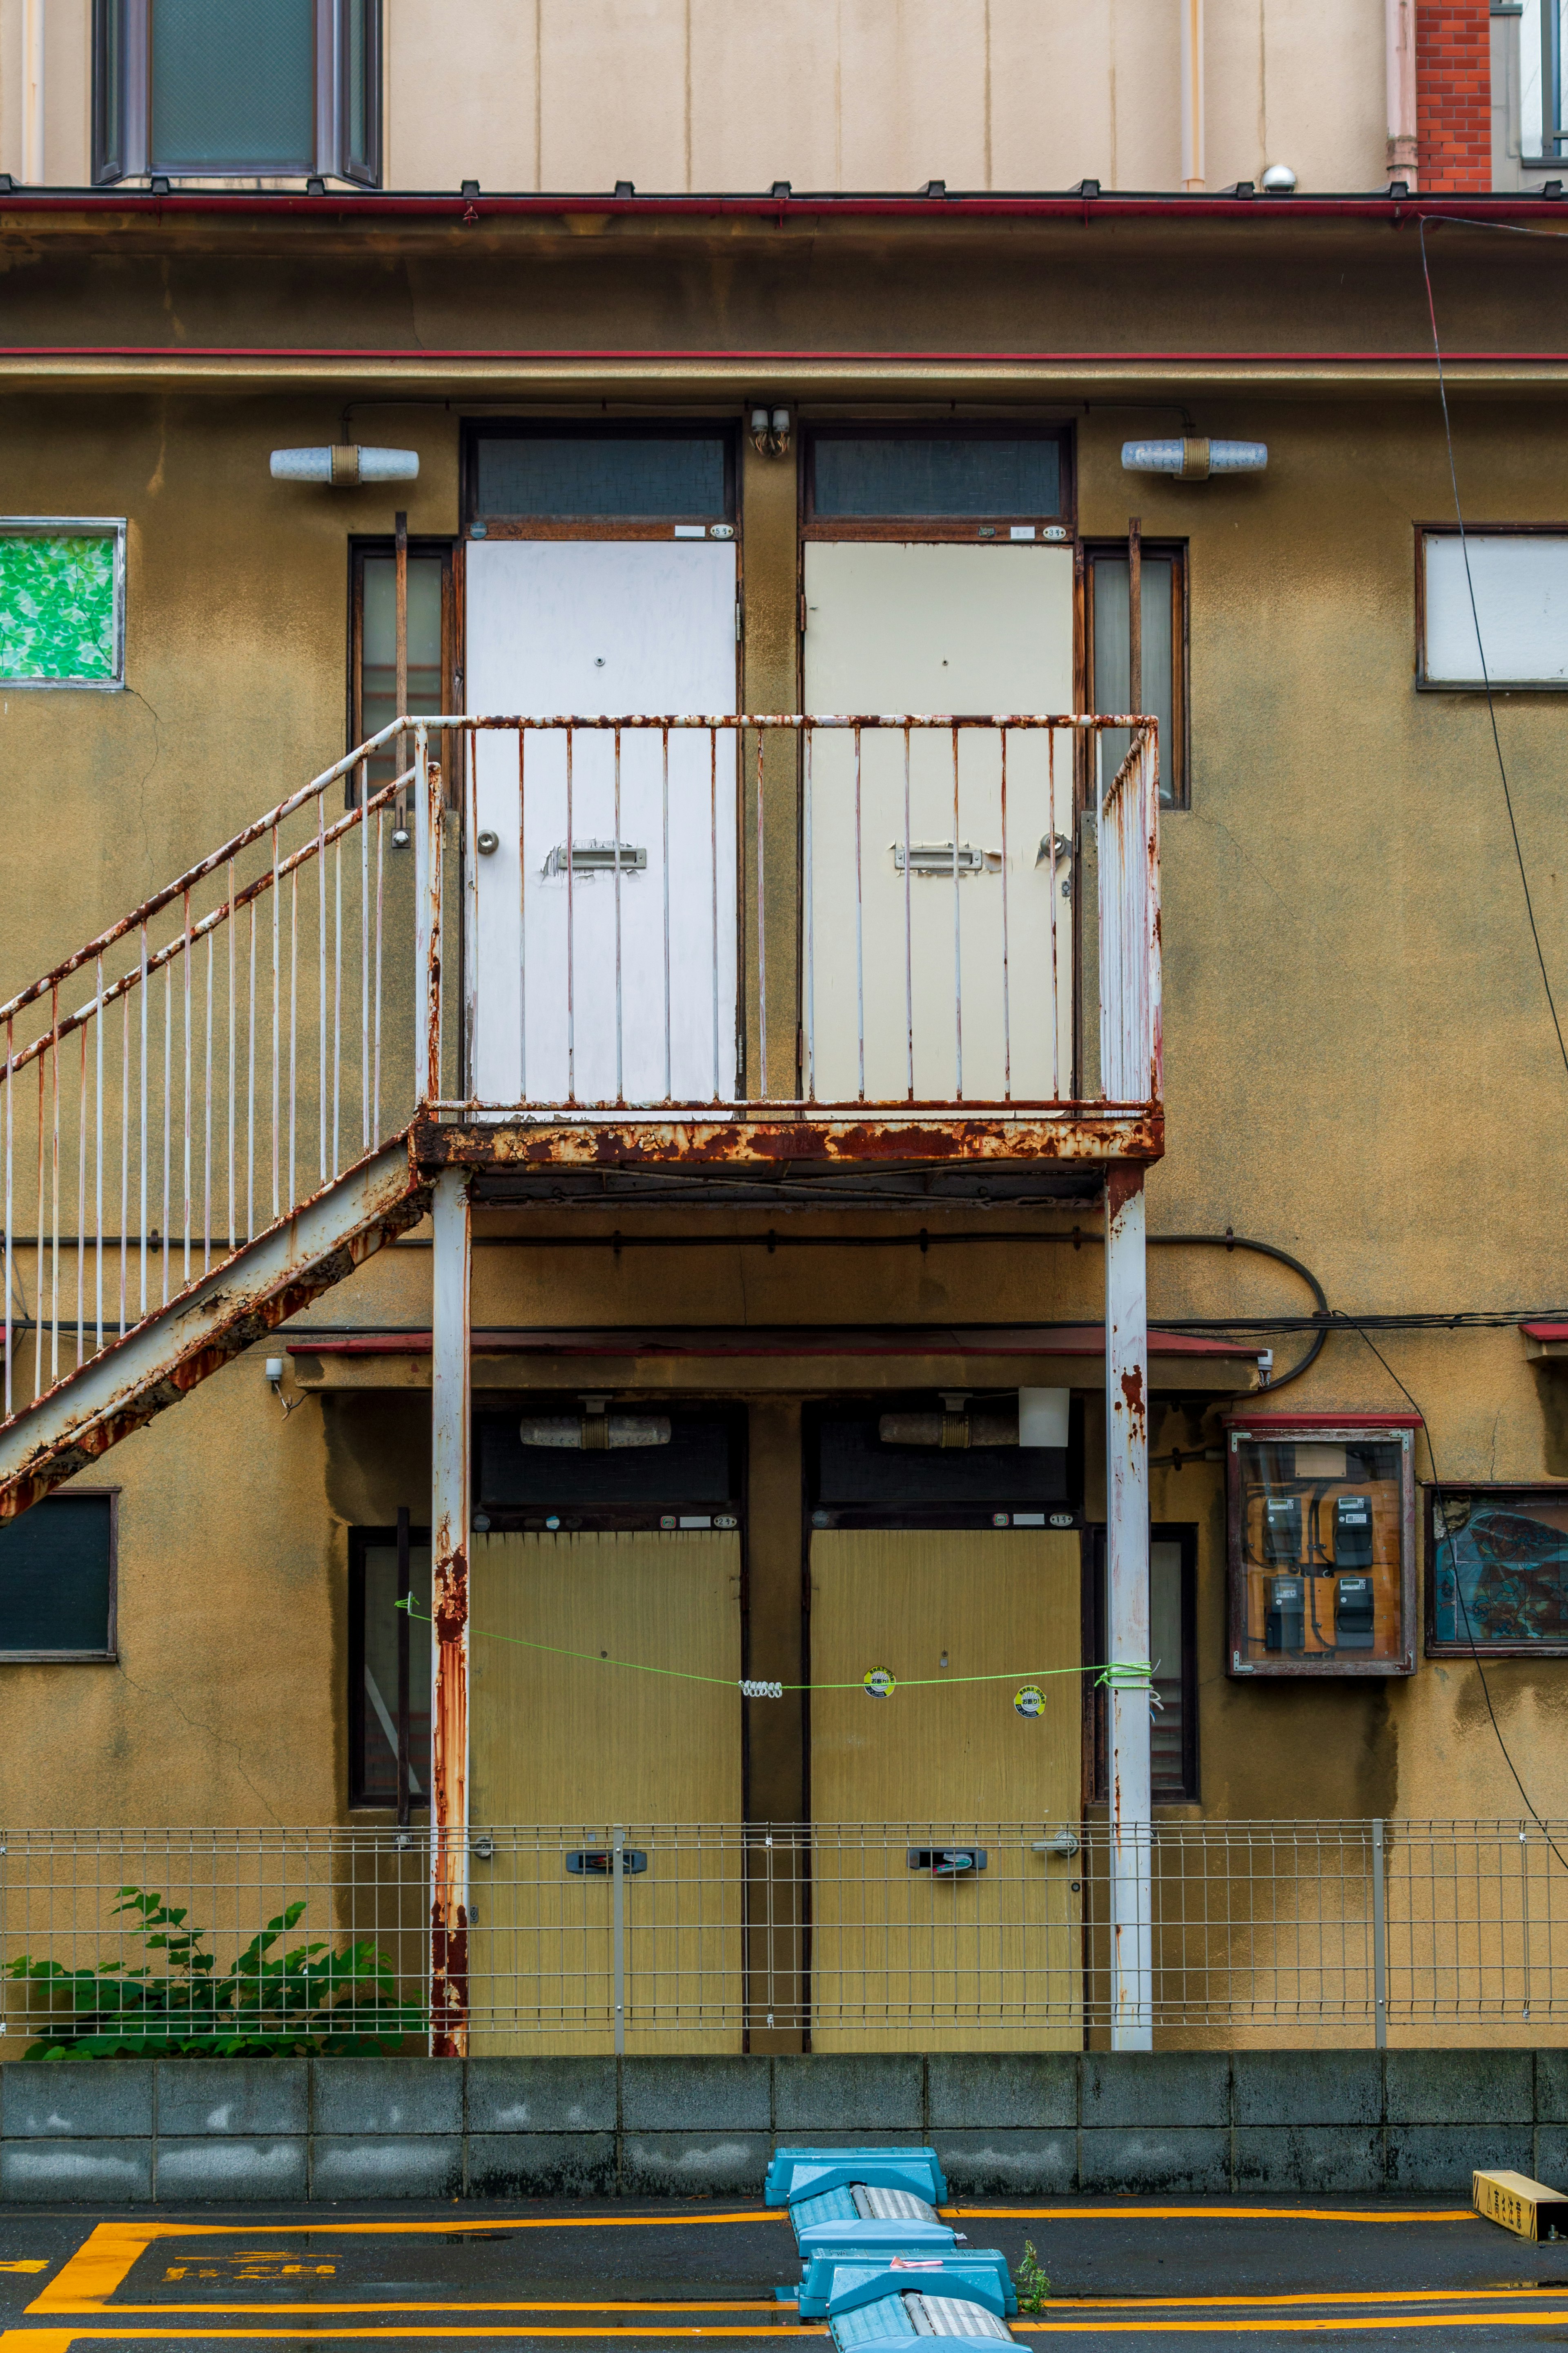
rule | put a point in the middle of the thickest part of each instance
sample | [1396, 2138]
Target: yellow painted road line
[456, 2304]
[103, 2261]
[1329, 2298]
[55, 2341]
[1213, 2213]
[1292, 2327]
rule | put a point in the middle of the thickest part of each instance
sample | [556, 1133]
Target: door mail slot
[947, 1862]
[598, 857]
[940, 858]
[599, 1861]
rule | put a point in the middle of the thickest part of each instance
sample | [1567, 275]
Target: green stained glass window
[59, 617]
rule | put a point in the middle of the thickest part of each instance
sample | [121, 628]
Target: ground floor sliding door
[940, 1918]
[568, 1745]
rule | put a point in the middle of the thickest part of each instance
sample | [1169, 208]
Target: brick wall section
[1453, 83]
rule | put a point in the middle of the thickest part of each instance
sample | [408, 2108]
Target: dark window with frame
[203, 87]
[1496, 1571]
[1164, 692]
[1173, 1645]
[555, 1466]
[57, 1578]
[985, 483]
[373, 1623]
[373, 642]
[555, 480]
[880, 1463]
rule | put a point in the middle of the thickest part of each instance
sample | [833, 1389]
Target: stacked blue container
[877, 2262]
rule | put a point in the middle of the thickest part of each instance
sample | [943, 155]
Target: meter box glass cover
[1322, 1544]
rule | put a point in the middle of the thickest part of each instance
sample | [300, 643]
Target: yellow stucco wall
[1360, 1067]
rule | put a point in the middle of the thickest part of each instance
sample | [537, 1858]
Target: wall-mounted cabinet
[1322, 1544]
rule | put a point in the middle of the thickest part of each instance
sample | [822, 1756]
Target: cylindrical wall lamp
[1194, 458]
[345, 465]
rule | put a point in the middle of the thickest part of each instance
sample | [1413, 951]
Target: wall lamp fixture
[770, 432]
[345, 465]
[274, 1372]
[1194, 458]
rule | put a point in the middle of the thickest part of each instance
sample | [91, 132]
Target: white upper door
[603, 978]
[920, 983]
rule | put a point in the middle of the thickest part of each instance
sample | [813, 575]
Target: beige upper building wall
[705, 95]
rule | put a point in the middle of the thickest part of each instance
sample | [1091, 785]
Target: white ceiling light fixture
[345, 465]
[1278, 180]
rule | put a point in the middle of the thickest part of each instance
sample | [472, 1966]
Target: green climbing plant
[269, 2004]
[1033, 2288]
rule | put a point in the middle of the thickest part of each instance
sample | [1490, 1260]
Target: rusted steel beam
[575, 1140]
[449, 1520]
[153, 1366]
[1127, 1574]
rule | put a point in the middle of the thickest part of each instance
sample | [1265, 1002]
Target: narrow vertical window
[375, 1700]
[373, 685]
[1173, 1649]
[1163, 689]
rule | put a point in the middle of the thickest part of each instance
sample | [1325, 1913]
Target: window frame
[985, 531]
[1096, 1643]
[61, 527]
[1433, 1490]
[381, 544]
[1425, 531]
[476, 524]
[121, 101]
[109, 1657]
[1178, 751]
[1328, 1429]
[360, 1541]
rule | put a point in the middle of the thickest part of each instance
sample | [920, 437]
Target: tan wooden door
[903, 1958]
[564, 1749]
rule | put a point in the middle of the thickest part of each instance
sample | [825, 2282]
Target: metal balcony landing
[794, 1153]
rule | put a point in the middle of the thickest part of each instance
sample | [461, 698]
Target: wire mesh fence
[672, 1937]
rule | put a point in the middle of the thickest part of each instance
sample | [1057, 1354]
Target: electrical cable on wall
[1475, 615]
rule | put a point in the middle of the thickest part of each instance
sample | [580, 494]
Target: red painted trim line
[1066, 205]
[758, 358]
[1070, 1340]
[1269, 1422]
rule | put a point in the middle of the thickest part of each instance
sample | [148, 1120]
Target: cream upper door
[592, 987]
[951, 987]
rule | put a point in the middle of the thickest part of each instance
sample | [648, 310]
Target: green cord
[1126, 1675]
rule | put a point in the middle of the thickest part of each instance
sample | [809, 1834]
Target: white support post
[1127, 1571]
[450, 1521]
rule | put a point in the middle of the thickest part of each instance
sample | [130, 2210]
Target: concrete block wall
[1005, 2125]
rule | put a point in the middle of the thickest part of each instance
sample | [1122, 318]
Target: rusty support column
[1127, 1573]
[449, 1518]
[429, 910]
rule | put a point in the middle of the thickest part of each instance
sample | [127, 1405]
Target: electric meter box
[1321, 1514]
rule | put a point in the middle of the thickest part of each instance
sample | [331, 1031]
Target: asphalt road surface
[1185, 2273]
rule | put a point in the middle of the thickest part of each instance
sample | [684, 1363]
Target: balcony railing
[690, 918]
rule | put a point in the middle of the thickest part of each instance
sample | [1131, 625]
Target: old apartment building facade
[508, 1112]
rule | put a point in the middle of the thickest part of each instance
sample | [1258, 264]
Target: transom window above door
[236, 89]
[991, 483]
[562, 482]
